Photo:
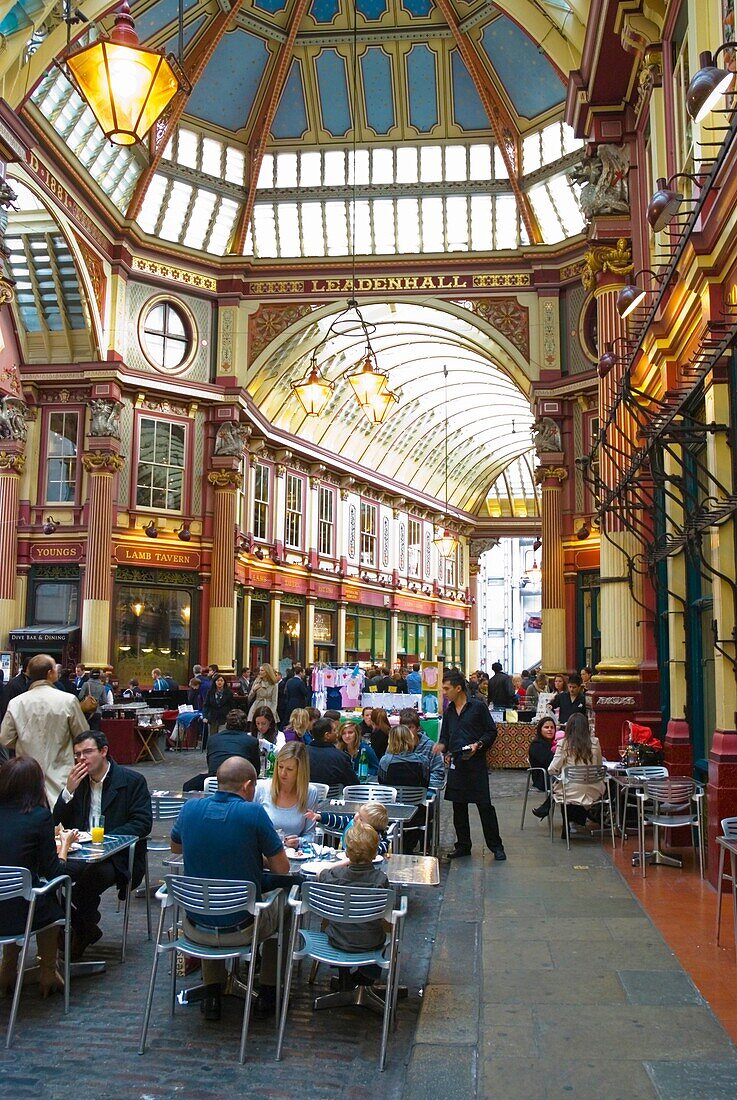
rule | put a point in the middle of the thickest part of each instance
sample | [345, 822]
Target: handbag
[88, 705]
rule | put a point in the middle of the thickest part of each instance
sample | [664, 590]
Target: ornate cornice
[102, 462]
[225, 479]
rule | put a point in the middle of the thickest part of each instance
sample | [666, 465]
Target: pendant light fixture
[445, 540]
[709, 84]
[126, 86]
[370, 385]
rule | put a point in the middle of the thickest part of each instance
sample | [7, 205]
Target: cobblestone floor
[91, 1053]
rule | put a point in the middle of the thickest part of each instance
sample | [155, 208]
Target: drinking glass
[319, 840]
[98, 829]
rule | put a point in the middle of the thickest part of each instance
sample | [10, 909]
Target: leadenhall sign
[380, 284]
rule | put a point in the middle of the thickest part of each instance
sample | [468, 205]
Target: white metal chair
[422, 798]
[336, 791]
[210, 785]
[17, 882]
[201, 896]
[530, 786]
[370, 792]
[162, 809]
[729, 830]
[346, 905]
[676, 803]
[583, 773]
[646, 771]
[322, 790]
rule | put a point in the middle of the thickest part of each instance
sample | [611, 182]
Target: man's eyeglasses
[85, 752]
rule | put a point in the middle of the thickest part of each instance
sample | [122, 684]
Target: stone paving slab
[684, 1080]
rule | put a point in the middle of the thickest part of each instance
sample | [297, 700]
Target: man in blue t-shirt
[226, 836]
[414, 681]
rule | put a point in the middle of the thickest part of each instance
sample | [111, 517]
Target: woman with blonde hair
[402, 764]
[265, 692]
[288, 799]
[299, 726]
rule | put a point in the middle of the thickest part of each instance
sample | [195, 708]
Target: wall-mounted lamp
[184, 533]
[609, 359]
[537, 544]
[50, 526]
[631, 294]
[583, 531]
[151, 529]
[665, 202]
[708, 85]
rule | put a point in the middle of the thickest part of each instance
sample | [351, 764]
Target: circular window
[167, 335]
[588, 328]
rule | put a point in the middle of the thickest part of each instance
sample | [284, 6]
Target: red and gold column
[102, 465]
[550, 479]
[226, 482]
[12, 463]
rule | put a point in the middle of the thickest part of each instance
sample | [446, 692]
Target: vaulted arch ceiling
[488, 407]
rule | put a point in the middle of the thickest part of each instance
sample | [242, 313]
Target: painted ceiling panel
[371, 9]
[291, 117]
[376, 70]
[333, 91]
[418, 8]
[468, 110]
[270, 6]
[422, 88]
[151, 18]
[324, 11]
[527, 76]
[225, 92]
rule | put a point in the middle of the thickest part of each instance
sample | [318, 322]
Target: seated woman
[263, 726]
[351, 743]
[577, 747]
[27, 840]
[402, 765]
[537, 687]
[289, 800]
[380, 730]
[541, 753]
[298, 728]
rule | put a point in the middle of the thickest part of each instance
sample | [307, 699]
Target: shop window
[152, 630]
[290, 631]
[293, 517]
[261, 501]
[167, 335]
[414, 547]
[683, 138]
[326, 522]
[161, 451]
[368, 535]
[62, 433]
[55, 603]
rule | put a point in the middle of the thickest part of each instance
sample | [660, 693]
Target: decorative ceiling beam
[195, 65]
[257, 149]
[499, 120]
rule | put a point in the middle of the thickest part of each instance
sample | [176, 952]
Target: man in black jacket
[501, 689]
[14, 687]
[297, 693]
[328, 764]
[97, 785]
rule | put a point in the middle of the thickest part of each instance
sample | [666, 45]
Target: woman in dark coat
[27, 840]
[218, 701]
[541, 753]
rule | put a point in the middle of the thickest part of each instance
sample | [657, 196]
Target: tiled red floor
[683, 908]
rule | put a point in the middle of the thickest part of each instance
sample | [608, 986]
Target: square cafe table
[95, 853]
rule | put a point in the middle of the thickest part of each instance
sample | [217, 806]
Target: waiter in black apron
[467, 732]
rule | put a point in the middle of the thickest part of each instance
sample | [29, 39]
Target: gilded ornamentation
[11, 461]
[542, 473]
[508, 317]
[225, 479]
[6, 291]
[550, 332]
[164, 406]
[269, 321]
[10, 380]
[96, 272]
[226, 340]
[601, 258]
[102, 462]
[175, 274]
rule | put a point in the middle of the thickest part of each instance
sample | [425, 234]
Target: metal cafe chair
[211, 784]
[422, 798]
[162, 809]
[676, 802]
[530, 786]
[346, 905]
[729, 830]
[17, 882]
[370, 792]
[646, 771]
[200, 896]
[583, 773]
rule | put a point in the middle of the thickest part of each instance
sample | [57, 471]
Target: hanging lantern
[446, 542]
[367, 382]
[313, 392]
[376, 408]
[126, 86]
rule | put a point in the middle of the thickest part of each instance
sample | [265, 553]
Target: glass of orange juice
[98, 828]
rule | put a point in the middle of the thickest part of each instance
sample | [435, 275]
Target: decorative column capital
[552, 473]
[102, 462]
[225, 479]
[14, 461]
[6, 291]
[606, 259]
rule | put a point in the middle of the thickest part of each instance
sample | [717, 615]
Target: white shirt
[95, 796]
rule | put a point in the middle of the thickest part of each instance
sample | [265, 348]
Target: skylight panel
[431, 164]
[286, 169]
[548, 220]
[26, 198]
[408, 225]
[187, 151]
[264, 227]
[506, 222]
[310, 169]
[500, 168]
[384, 236]
[336, 225]
[565, 203]
[552, 143]
[151, 207]
[432, 223]
[455, 163]
[569, 139]
[456, 213]
[200, 218]
[288, 226]
[222, 229]
[482, 225]
[531, 152]
[362, 167]
[335, 168]
[176, 212]
[168, 153]
[212, 157]
[266, 172]
[480, 162]
[382, 166]
[235, 165]
[407, 171]
[313, 231]
[363, 227]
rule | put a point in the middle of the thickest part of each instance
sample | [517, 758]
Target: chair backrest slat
[729, 827]
[370, 792]
[216, 896]
[211, 784]
[347, 904]
[411, 796]
[322, 790]
[648, 771]
[584, 773]
[166, 809]
[674, 789]
[15, 882]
